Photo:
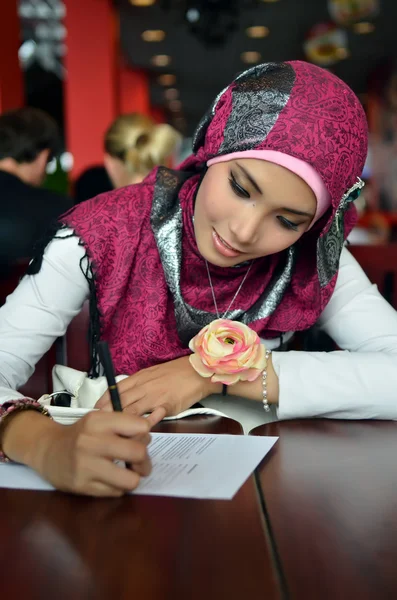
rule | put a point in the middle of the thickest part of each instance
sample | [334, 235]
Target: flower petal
[227, 351]
[226, 379]
[215, 347]
[250, 374]
[199, 367]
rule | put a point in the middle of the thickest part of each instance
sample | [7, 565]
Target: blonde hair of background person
[134, 144]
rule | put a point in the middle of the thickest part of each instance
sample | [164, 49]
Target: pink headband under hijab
[296, 165]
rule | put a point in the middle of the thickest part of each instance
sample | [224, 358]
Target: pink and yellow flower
[227, 351]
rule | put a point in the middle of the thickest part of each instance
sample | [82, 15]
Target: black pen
[106, 360]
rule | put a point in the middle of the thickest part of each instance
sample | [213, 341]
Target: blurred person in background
[134, 145]
[91, 182]
[29, 138]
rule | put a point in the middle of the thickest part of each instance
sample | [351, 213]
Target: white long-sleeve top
[359, 382]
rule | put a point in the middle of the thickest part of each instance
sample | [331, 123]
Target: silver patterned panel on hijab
[201, 129]
[166, 222]
[329, 246]
[259, 95]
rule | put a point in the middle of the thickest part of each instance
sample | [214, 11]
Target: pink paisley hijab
[150, 291]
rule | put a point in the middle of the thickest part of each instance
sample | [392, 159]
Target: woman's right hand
[79, 458]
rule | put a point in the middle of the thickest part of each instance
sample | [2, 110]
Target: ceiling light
[175, 105]
[27, 51]
[193, 15]
[167, 79]
[257, 31]
[153, 35]
[251, 57]
[160, 60]
[171, 94]
[142, 2]
[363, 27]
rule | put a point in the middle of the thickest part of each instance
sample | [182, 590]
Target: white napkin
[86, 392]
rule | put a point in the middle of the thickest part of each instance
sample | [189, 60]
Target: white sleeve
[39, 311]
[359, 382]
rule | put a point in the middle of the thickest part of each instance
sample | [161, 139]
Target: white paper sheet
[184, 465]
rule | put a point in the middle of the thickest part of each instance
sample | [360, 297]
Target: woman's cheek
[285, 240]
[215, 210]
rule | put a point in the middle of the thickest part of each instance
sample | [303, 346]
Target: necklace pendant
[235, 295]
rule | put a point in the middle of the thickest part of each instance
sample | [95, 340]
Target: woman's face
[248, 208]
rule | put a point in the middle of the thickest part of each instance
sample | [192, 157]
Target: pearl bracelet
[264, 379]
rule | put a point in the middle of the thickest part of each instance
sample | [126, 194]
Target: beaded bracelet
[8, 408]
[264, 379]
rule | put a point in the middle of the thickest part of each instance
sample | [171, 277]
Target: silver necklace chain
[235, 295]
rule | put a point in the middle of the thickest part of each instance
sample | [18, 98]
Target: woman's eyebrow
[250, 178]
[297, 212]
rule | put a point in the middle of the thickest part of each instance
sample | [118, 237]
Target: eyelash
[237, 189]
[242, 193]
[287, 224]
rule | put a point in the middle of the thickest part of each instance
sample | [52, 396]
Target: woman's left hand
[175, 385]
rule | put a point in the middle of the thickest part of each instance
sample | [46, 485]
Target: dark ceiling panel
[202, 72]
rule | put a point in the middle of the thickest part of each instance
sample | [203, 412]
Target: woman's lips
[223, 247]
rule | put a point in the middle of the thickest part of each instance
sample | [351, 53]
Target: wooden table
[58, 547]
[330, 495]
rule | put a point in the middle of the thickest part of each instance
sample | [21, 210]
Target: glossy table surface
[330, 495]
[61, 547]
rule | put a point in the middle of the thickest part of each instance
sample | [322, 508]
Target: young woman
[250, 228]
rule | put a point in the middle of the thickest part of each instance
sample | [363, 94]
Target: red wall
[133, 91]
[90, 89]
[11, 89]
[99, 85]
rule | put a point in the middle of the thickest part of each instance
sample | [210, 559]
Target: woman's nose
[244, 230]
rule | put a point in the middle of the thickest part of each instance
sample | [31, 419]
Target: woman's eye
[237, 189]
[288, 224]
